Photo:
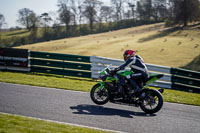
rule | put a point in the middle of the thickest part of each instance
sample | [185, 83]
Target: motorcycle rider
[136, 63]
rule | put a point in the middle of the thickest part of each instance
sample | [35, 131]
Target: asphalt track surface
[77, 108]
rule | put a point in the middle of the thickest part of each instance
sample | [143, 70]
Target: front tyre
[152, 102]
[99, 96]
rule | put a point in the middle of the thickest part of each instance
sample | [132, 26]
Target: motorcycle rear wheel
[99, 97]
[152, 102]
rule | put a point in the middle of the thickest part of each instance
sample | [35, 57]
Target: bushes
[168, 23]
[59, 32]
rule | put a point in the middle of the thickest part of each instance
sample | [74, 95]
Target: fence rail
[185, 73]
[63, 72]
[56, 56]
[89, 67]
[60, 64]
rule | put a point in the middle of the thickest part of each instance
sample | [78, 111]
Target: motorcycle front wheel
[152, 102]
[99, 96]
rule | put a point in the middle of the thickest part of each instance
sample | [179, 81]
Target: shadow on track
[100, 110]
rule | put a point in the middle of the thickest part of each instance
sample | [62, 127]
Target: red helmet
[128, 53]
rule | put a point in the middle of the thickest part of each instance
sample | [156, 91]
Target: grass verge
[86, 85]
[46, 81]
[19, 124]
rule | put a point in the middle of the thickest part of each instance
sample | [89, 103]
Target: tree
[24, 18]
[131, 5]
[189, 11]
[54, 16]
[90, 11]
[74, 12]
[118, 8]
[57, 31]
[2, 21]
[33, 21]
[140, 11]
[46, 19]
[148, 9]
[80, 13]
[65, 14]
[107, 13]
[145, 9]
[160, 9]
[100, 19]
[184, 11]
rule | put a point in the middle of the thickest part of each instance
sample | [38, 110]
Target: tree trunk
[91, 26]
[185, 19]
[67, 30]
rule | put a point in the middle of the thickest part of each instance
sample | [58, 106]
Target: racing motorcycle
[149, 100]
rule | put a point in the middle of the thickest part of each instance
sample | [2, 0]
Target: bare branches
[2, 21]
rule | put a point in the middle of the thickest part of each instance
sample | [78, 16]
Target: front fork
[101, 85]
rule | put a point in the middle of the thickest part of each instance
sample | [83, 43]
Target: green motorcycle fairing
[101, 85]
[124, 73]
[151, 79]
[111, 79]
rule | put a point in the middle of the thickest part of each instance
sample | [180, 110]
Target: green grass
[86, 85]
[20, 33]
[181, 97]
[46, 81]
[18, 124]
[16, 33]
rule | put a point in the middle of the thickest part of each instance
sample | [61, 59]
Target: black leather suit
[140, 70]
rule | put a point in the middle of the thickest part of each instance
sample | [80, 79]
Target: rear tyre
[99, 96]
[152, 102]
